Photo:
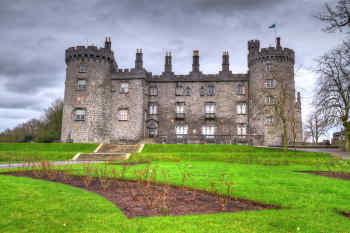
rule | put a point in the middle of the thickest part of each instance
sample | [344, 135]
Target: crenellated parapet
[271, 54]
[90, 53]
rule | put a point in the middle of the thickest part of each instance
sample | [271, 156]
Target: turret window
[81, 84]
[82, 68]
[124, 88]
[241, 108]
[80, 114]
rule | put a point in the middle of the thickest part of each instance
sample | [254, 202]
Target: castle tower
[271, 86]
[86, 97]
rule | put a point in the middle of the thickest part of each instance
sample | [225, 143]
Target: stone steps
[102, 157]
[109, 152]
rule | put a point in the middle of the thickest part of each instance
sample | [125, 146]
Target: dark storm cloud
[35, 33]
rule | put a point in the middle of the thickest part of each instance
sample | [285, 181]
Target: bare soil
[338, 175]
[142, 199]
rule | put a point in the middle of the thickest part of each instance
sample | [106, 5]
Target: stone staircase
[109, 152]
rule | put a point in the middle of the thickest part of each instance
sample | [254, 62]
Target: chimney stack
[168, 65]
[139, 60]
[278, 43]
[195, 65]
[108, 43]
[225, 61]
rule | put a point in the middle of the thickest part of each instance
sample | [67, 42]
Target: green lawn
[311, 202]
[21, 152]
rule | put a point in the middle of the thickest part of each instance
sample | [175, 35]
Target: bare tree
[337, 18]
[333, 95]
[316, 126]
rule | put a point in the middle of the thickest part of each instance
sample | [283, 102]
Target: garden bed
[338, 175]
[145, 199]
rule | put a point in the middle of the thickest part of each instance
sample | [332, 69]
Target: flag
[273, 26]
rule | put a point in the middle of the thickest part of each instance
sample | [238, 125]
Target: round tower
[85, 99]
[271, 91]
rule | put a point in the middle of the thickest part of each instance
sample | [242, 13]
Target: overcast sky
[35, 33]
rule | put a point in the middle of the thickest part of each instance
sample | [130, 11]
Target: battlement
[89, 52]
[270, 54]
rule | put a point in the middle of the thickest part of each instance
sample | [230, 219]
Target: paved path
[13, 165]
[333, 151]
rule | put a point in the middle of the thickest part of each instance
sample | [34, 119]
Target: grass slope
[310, 201]
[20, 152]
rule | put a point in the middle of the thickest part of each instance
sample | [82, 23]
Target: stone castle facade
[103, 103]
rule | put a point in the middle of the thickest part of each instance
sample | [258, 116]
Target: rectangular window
[269, 120]
[123, 114]
[269, 100]
[270, 83]
[208, 131]
[210, 108]
[211, 90]
[181, 130]
[153, 108]
[153, 91]
[81, 84]
[180, 107]
[202, 91]
[124, 88]
[242, 108]
[240, 90]
[80, 115]
[268, 67]
[82, 68]
[179, 90]
[241, 130]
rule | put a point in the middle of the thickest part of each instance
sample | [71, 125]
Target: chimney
[108, 43]
[168, 65]
[139, 61]
[195, 65]
[225, 61]
[278, 43]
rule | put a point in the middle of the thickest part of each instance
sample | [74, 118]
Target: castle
[103, 103]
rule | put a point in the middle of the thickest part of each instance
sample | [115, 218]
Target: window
[179, 91]
[211, 90]
[81, 84]
[153, 108]
[124, 88]
[80, 114]
[210, 108]
[153, 91]
[240, 90]
[242, 108]
[181, 130]
[270, 83]
[241, 130]
[269, 100]
[180, 107]
[123, 114]
[209, 131]
[268, 67]
[202, 91]
[188, 91]
[82, 68]
[269, 120]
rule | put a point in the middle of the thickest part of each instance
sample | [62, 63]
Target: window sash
[82, 68]
[211, 90]
[153, 109]
[124, 88]
[123, 115]
[153, 91]
[269, 100]
[270, 83]
[242, 108]
[210, 108]
[242, 130]
[182, 129]
[208, 130]
[180, 108]
[81, 84]
[80, 114]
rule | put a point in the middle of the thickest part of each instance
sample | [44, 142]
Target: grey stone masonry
[103, 103]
